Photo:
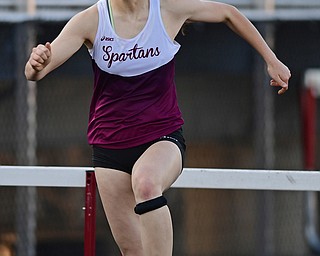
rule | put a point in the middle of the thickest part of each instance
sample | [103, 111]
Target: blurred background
[233, 119]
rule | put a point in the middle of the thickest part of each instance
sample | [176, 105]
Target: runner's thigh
[118, 202]
[159, 166]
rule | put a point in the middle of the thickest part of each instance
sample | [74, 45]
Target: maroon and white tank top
[134, 99]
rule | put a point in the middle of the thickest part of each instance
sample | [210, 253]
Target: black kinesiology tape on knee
[150, 205]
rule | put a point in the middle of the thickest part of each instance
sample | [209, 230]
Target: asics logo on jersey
[105, 38]
[134, 53]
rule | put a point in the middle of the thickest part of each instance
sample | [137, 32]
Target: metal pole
[265, 138]
[26, 197]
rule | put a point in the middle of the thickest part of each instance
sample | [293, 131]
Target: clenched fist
[40, 56]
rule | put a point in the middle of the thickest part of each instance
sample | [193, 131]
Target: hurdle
[197, 178]
[72, 177]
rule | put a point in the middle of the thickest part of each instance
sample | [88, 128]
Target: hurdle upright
[45, 176]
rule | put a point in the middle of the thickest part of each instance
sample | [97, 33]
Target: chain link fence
[228, 112]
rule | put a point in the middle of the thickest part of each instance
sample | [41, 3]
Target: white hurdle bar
[289, 180]
[42, 176]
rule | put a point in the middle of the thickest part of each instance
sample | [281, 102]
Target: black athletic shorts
[124, 159]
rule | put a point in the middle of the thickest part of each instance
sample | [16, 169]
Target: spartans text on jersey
[134, 53]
